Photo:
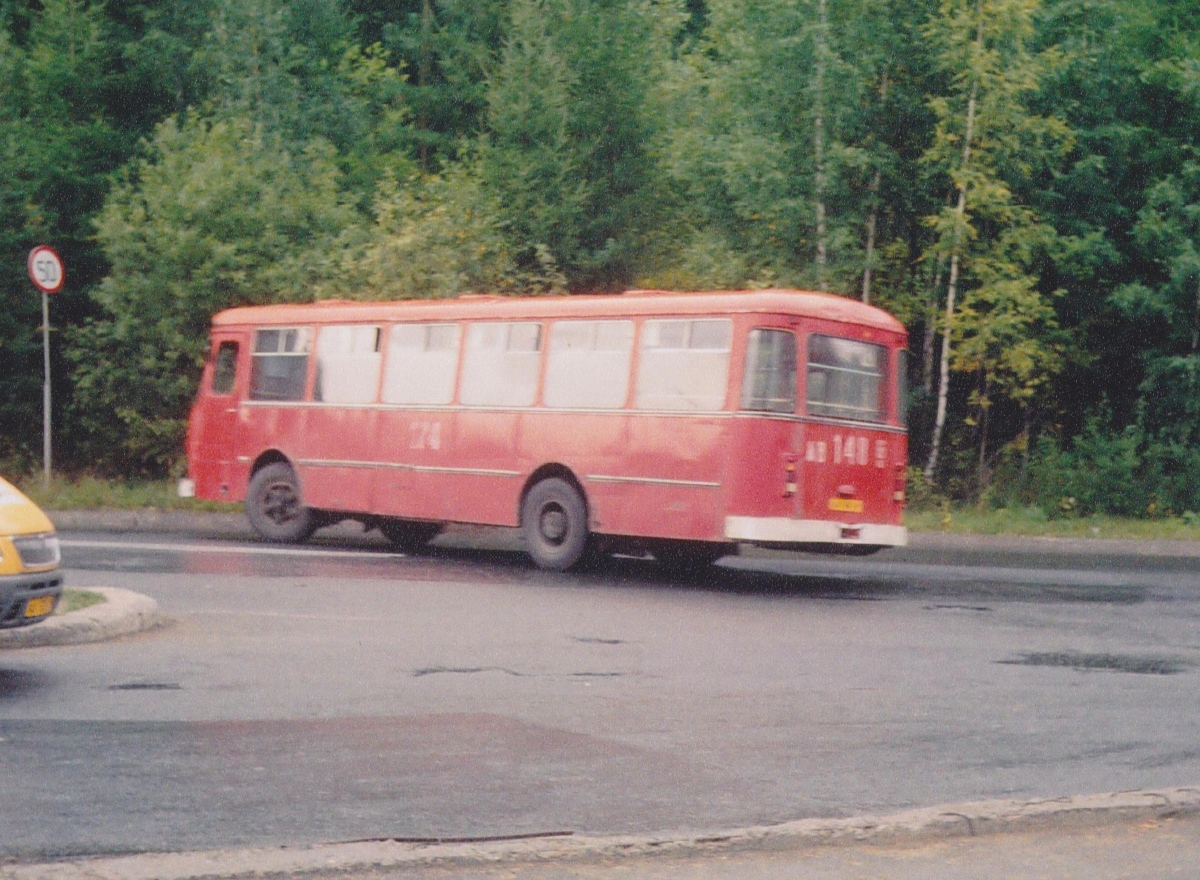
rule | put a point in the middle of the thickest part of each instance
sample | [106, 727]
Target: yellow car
[30, 582]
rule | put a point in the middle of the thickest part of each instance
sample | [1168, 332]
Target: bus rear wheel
[274, 506]
[554, 525]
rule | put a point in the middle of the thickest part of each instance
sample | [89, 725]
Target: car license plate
[846, 505]
[39, 607]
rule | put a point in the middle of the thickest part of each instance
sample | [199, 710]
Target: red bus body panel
[788, 479]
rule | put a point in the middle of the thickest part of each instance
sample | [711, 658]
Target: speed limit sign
[46, 269]
[46, 272]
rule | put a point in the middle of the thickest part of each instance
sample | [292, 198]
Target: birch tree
[988, 142]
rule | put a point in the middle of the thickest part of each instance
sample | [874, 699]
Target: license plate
[39, 607]
[846, 505]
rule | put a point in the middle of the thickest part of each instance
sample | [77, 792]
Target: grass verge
[1034, 523]
[91, 493]
[77, 600]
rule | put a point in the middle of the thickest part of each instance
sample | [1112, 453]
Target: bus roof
[803, 303]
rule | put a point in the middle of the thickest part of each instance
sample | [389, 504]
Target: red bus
[679, 424]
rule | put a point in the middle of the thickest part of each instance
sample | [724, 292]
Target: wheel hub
[553, 524]
[280, 504]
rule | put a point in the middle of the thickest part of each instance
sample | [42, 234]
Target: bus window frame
[305, 335]
[884, 408]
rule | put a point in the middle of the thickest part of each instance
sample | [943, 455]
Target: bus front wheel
[274, 507]
[554, 524]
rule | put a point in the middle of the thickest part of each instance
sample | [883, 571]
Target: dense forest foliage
[1017, 180]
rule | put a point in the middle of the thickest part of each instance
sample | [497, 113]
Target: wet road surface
[339, 692]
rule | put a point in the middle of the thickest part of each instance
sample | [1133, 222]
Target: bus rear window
[280, 363]
[845, 379]
[769, 383]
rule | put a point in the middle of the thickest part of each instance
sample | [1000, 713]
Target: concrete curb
[149, 520]
[122, 613]
[913, 826]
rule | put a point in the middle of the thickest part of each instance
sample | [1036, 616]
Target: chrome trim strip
[400, 466]
[474, 472]
[332, 462]
[651, 481]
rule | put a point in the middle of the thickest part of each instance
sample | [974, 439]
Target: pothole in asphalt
[463, 670]
[474, 670]
[146, 686]
[1136, 664]
[596, 640]
[597, 674]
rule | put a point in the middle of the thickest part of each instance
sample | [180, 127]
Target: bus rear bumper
[798, 533]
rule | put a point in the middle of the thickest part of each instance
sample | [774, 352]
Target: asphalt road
[339, 692]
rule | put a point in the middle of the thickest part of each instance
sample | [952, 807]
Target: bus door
[847, 450]
[774, 449]
[215, 420]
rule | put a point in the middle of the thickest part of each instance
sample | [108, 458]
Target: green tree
[1167, 304]
[219, 214]
[296, 69]
[988, 142]
[1128, 89]
[791, 145]
[435, 236]
[448, 49]
[57, 148]
[575, 149]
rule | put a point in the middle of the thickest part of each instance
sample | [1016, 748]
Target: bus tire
[554, 525]
[407, 536]
[275, 508]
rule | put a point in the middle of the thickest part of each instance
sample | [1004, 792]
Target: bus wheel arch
[274, 503]
[270, 456]
[554, 519]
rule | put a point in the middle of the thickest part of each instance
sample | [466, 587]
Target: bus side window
[684, 364]
[348, 363]
[588, 364]
[501, 364]
[769, 381]
[225, 368]
[280, 363]
[421, 362]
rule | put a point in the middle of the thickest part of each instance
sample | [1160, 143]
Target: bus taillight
[898, 485]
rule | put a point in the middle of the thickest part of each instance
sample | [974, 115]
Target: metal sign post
[46, 272]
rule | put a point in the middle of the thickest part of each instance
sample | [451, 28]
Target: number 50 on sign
[46, 269]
